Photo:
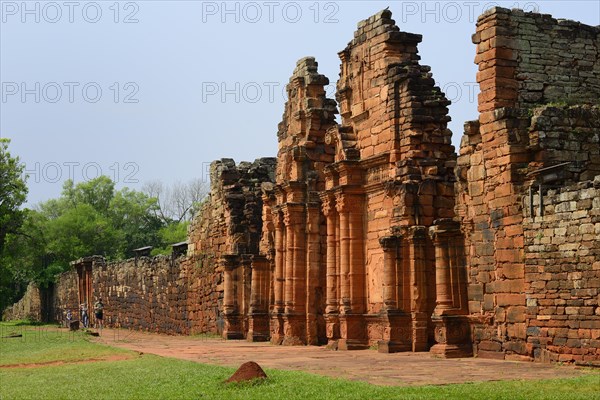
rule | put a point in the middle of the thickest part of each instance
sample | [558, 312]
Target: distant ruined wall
[144, 293]
[540, 83]
[28, 308]
[181, 295]
[526, 59]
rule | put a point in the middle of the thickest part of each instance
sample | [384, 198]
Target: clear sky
[146, 90]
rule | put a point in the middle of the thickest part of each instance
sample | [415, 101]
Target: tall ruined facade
[359, 210]
[372, 231]
[376, 233]
[297, 223]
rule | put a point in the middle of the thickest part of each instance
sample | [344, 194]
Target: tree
[173, 233]
[22, 258]
[13, 192]
[179, 202]
[81, 231]
[89, 218]
[134, 214]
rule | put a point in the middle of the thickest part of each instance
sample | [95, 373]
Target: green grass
[153, 377]
[45, 343]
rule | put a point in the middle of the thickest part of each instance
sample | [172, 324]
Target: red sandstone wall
[158, 294]
[145, 293]
[525, 60]
[226, 232]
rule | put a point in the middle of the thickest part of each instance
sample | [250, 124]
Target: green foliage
[13, 192]
[174, 232]
[89, 218]
[81, 230]
[134, 214]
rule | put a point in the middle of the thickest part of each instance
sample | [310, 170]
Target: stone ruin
[374, 232]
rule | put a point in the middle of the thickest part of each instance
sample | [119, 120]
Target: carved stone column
[331, 216]
[313, 261]
[451, 325]
[332, 306]
[295, 306]
[278, 279]
[396, 335]
[417, 237]
[443, 287]
[357, 259]
[289, 261]
[352, 320]
[389, 244]
[279, 262]
[258, 321]
[342, 209]
[233, 322]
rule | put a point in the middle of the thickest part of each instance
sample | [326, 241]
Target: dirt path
[361, 365]
[116, 357]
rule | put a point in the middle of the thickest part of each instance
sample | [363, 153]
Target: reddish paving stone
[396, 369]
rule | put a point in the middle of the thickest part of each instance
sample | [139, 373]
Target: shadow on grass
[25, 323]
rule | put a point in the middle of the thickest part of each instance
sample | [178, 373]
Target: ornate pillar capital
[389, 243]
[417, 233]
[443, 229]
[230, 261]
[328, 204]
[278, 217]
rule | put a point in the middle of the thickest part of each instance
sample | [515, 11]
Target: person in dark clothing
[99, 312]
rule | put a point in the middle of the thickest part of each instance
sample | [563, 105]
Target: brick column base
[258, 327]
[452, 336]
[233, 327]
[353, 332]
[276, 328]
[294, 329]
[397, 336]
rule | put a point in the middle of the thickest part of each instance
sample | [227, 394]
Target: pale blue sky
[196, 80]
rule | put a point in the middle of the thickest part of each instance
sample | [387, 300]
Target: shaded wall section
[562, 273]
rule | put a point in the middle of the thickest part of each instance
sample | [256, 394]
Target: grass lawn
[46, 344]
[153, 377]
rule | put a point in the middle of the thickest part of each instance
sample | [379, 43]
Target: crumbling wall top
[527, 59]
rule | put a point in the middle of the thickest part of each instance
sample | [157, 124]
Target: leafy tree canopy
[13, 192]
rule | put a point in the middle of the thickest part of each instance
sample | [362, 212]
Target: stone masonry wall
[66, 296]
[566, 134]
[562, 272]
[182, 295]
[525, 61]
[145, 293]
[28, 308]
[228, 224]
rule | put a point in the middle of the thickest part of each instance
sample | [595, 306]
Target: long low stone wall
[158, 294]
